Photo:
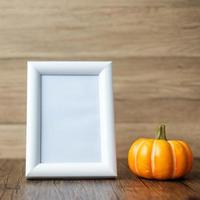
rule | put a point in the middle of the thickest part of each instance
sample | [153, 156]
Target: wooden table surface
[13, 185]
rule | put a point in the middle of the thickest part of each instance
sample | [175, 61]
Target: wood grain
[56, 29]
[145, 89]
[12, 143]
[127, 186]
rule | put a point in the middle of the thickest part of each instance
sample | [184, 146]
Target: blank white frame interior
[70, 120]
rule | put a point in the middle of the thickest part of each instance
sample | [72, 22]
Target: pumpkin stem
[161, 132]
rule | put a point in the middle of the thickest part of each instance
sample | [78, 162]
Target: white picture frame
[43, 78]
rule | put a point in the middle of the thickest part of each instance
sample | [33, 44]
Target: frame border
[36, 169]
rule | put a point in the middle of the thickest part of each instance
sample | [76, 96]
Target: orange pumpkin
[160, 158]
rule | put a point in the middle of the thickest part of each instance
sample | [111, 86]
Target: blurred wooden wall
[154, 46]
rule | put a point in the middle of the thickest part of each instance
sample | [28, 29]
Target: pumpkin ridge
[153, 158]
[173, 159]
[136, 155]
[150, 159]
[186, 155]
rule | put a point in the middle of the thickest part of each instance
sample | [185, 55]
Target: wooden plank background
[154, 46]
